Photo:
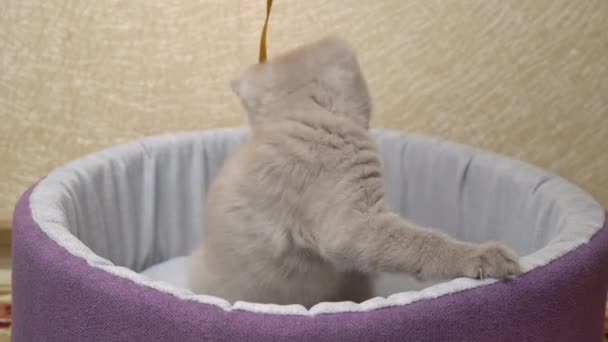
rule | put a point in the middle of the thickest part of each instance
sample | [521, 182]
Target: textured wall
[525, 78]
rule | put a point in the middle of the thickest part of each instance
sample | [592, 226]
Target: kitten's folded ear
[235, 86]
[237, 89]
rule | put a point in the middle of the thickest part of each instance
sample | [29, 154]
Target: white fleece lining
[126, 201]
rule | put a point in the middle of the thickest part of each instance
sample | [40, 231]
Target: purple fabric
[59, 297]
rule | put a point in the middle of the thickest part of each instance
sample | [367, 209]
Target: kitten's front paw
[491, 260]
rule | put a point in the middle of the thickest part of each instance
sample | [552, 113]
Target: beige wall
[525, 78]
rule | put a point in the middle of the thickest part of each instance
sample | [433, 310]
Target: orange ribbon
[263, 38]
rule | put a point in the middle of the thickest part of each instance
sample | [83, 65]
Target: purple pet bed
[100, 245]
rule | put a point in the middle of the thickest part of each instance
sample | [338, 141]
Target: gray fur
[298, 215]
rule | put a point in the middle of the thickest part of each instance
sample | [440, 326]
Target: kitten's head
[326, 72]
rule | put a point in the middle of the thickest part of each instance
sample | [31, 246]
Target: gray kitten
[298, 215]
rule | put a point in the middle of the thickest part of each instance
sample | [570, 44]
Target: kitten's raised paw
[491, 260]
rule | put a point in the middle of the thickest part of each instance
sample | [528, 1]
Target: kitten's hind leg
[386, 243]
[356, 287]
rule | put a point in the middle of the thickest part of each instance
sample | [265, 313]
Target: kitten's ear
[235, 86]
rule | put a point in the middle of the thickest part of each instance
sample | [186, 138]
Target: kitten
[298, 215]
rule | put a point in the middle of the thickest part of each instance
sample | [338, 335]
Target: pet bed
[84, 234]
